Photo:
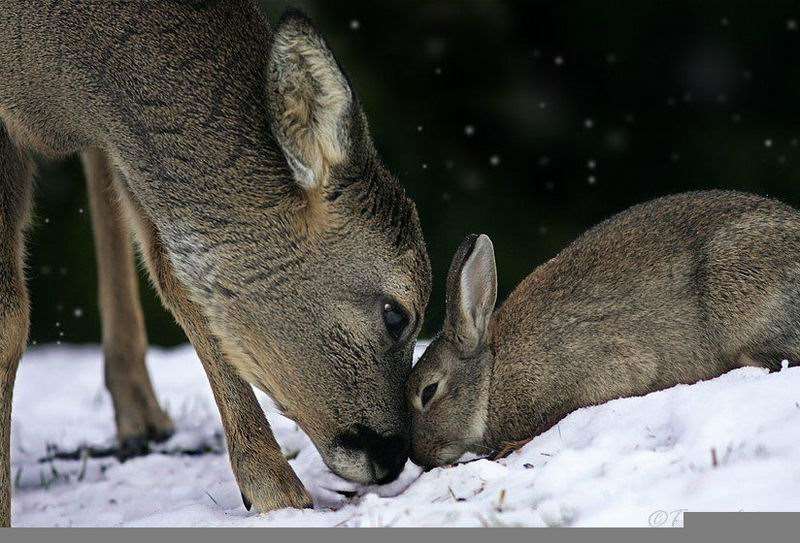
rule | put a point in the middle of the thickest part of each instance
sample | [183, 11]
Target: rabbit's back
[675, 290]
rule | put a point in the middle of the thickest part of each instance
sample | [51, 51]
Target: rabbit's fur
[675, 290]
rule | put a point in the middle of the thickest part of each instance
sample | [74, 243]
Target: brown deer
[239, 158]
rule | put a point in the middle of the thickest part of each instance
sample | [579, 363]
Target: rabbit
[675, 290]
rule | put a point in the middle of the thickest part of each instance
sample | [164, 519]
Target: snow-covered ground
[727, 444]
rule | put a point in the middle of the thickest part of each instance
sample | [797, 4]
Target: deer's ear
[472, 291]
[310, 101]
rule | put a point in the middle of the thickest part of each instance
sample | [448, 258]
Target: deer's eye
[427, 393]
[395, 319]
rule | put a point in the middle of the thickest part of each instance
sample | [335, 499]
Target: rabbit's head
[448, 390]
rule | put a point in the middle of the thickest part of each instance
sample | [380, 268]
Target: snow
[728, 444]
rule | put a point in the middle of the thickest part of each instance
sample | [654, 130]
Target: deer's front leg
[137, 413]
[264, 475]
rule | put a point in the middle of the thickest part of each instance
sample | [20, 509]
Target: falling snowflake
[469, 130]
[355, 24]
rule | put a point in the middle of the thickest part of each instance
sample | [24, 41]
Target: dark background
[529, 121]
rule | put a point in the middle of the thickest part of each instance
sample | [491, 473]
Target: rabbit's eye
[395, 319]
[428, 392]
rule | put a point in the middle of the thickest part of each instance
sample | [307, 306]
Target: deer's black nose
[387, 454]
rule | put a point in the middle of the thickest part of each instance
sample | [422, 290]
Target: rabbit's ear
[472, 291]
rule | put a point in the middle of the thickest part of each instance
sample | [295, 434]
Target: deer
[235, 156]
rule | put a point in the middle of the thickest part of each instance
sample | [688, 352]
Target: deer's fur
[676, 290]
[239, 159]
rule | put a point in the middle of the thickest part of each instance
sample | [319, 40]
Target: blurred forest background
[529, 121]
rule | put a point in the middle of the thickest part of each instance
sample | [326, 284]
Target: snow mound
[728, 444]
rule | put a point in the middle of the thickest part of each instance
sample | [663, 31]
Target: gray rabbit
[675, 290]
